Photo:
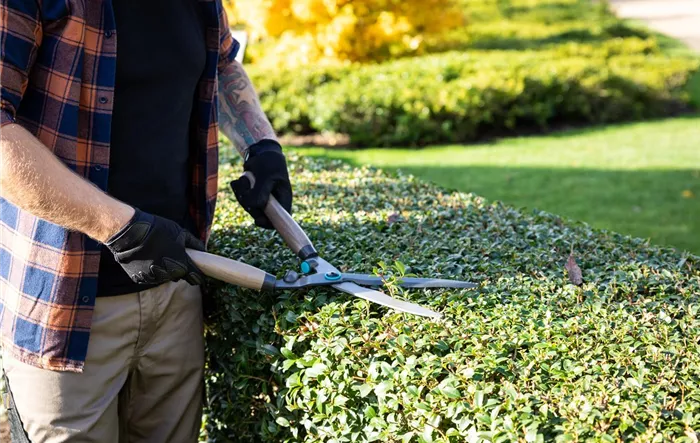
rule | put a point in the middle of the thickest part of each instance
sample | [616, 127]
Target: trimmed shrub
[526, 357]
[287, 96]
[463, 96]
[519, 66]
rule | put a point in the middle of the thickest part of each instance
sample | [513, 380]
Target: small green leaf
[639, 427]
[531, 435]
[479, 398]
[370, 412]
[316, 370]
[293, 380]
[404, 340]
[412, 390]
[287, 353]
[387, 370]
[269, 349]
[427, 434]
[424, 406]
[451, 392]
[382, 388]
[363, 389]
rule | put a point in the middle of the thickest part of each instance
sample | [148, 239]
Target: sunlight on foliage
[330, 31]
[526, 357]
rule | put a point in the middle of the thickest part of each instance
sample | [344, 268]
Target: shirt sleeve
[20, 37]
[228, 46]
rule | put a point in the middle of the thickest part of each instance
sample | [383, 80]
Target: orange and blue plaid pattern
[57, 75]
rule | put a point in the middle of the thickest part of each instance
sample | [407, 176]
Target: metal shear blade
[293, 281]
[383, 299]
[328, 275]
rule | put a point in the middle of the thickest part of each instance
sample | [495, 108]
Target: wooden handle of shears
[232, 271]
[288, 228]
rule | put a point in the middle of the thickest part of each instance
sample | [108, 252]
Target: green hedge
[464, 96]
[518, 66]
[526, 357]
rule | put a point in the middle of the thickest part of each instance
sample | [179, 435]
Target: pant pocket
[17, 433]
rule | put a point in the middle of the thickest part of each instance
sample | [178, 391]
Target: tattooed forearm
[240, 117]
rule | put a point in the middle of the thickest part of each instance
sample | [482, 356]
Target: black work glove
[151, 250]
[267, 163]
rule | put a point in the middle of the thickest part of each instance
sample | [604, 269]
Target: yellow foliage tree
[304, 31]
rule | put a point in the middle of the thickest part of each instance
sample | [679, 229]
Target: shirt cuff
[5, 118]
[229, 49]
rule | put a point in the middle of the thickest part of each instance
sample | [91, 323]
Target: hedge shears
[315, 271]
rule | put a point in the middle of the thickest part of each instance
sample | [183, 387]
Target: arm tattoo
[240, 117]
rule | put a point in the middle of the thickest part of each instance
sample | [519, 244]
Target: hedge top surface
[526, 357]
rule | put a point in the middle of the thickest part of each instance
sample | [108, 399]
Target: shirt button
[86, 299]
[108, 34]
[103, 100]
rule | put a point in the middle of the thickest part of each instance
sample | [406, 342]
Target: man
[108, 171]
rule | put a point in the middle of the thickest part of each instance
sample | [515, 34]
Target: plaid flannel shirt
[57, 75]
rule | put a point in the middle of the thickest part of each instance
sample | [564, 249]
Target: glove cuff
[266, 145]
[132, 233]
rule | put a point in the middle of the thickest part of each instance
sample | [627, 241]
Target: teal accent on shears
[332, 276]
[305, 267]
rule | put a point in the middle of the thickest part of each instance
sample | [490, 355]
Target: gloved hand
[269, 166]
[151, 250]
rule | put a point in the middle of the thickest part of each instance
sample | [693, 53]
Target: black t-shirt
[161, 51]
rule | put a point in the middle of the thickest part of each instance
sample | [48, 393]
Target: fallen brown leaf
[393, 218]
[575, 276]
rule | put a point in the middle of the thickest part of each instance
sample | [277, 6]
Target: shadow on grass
[662, 205]
[694, 90]
[519, 43]
[555, 131]
[669, 45]
[567, 132]
[545, 13]
[615, 30]
[549, 11]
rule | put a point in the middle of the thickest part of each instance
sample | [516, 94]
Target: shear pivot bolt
[291, 277]
[332, 276]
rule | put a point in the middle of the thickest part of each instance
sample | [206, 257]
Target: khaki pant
[142, 381]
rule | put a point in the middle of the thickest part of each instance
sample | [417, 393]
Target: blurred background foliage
[298, 32]
[411, 73]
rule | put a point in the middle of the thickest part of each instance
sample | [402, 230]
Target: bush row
[463, 96]
[526, 357]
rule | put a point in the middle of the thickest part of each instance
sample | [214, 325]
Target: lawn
[640, 179]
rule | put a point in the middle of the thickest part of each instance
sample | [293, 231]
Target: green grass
[630, 178]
